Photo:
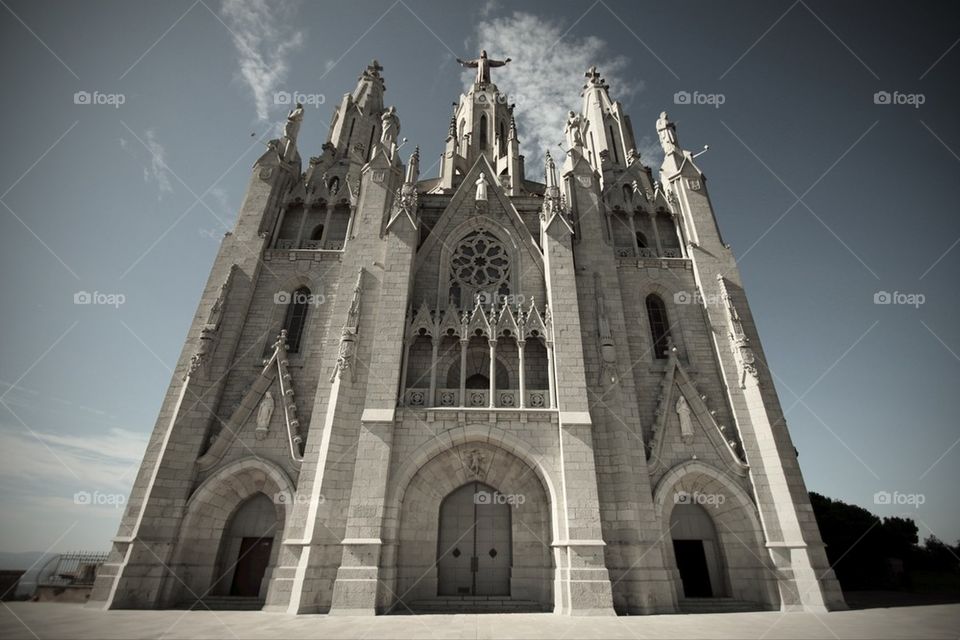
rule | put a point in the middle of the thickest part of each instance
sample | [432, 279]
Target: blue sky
[826, 196]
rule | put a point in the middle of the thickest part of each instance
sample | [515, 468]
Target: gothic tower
[472, 391]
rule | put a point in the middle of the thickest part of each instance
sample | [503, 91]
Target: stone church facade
[475, 391]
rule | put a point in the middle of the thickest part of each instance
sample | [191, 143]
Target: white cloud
[545, 76]
[264, 38]
[157, 171]
[105, 461]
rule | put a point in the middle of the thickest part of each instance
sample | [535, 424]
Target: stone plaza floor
[47, 620]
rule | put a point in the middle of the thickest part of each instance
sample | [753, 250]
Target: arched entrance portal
[438, 529]
[247, 548]
[474, 552]
[697, 552]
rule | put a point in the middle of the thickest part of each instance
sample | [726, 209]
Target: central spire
[483, 125]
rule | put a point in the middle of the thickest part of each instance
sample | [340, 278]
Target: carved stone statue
[390, 127]
[475, 460]
[291, 130]
[481, 188]
[264, 413]
[667, 132]
[483, 64]
[573, 132]
[686, 424]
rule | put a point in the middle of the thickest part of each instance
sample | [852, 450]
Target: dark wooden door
[252, 562]
[692, 564]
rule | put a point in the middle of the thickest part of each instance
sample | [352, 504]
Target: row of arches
[476, 519]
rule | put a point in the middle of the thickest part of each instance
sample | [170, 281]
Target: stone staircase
[717, 605]
[469, 604]
[223, 603]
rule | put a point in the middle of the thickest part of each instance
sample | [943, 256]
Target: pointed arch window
[659, 325]
[483, 132]
[296, 318]
[641, 240]
[503, 140]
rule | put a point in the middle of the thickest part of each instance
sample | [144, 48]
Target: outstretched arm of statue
[468, 63]
[499, 63]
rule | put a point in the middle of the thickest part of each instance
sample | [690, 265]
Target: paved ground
[46, 620]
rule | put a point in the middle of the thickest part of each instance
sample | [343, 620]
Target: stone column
[435, 343]
[493, 373]
[633, 233]
[523, 382]
[463, 371]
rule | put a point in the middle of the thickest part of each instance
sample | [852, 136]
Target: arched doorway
[697, 551]
[247, 549]
[440, 487]
[474, 549]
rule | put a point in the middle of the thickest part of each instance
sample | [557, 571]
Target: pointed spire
[413, 167]
[550, 171]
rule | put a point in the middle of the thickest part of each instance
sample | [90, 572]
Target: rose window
[479, 265]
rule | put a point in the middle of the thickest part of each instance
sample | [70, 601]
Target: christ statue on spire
[483, 64]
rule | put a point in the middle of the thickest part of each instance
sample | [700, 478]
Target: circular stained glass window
[480, 264]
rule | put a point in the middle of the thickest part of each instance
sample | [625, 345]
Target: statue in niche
[264, 413]
[686, 423]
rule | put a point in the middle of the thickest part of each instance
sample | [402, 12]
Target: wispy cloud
[157, 171]
[546, 74]
[104, 461]
[265, 38]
